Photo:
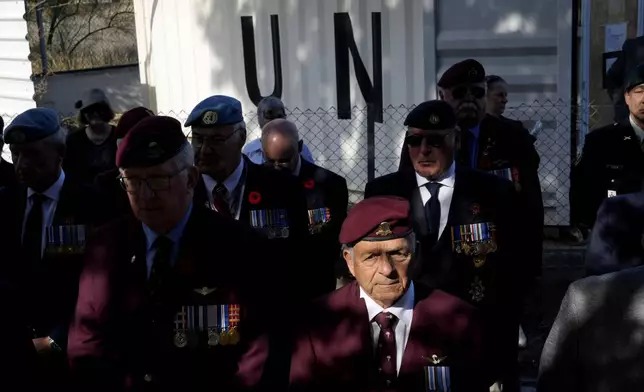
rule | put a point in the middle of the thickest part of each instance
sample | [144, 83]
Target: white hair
[411, 241]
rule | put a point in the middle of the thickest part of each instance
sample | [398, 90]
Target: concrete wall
[120, 83]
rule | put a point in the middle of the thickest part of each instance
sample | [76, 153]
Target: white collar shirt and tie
[403, 309]
[50, 202]
[233, 185]
[445, 194]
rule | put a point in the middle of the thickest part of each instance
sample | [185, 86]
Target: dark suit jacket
[503, 275]
[121, 333]
[324, 190]
[612, 159]
[334, 347]
[617, 240]
[277, 191]
[112, 200]
[49, 290]
[7, 174]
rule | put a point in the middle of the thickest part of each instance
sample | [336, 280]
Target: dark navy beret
[467, 71]
[216, 110]
[634, 78]
[31, 126]
[129, 119]
[376, 219]
[432, 115]
[151, 142]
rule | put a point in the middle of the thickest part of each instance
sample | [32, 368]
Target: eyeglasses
[433, 140]
[200, 140]
[154, 183]
[277, 163]
[461, 91]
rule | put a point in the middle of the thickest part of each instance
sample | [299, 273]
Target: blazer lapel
[460, 201]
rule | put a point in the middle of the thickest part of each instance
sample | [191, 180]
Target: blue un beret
[31, 126]
[216, 110]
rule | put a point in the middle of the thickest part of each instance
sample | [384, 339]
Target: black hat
[634, 78]
[467, 71]
[432, 115]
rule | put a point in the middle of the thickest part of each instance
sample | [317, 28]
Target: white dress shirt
[445, 193]
[255, 153]
[233, 186]
[639, 132]
[403, 309]
[48, 206]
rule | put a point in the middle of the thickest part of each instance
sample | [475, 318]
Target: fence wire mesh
[341, 145]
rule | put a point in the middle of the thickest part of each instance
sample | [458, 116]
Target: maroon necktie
[219, 199]
[386, 351]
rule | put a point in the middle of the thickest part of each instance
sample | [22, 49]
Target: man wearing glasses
[327, 198]
[163, 301]
[465, 227]
[269, 109]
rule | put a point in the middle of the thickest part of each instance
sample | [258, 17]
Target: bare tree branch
[89, 34]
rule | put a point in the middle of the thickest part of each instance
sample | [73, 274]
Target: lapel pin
[205, 290]
[627, 138]
[437, 360]
[476, 209]
[133, 259]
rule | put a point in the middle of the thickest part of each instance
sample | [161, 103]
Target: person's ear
[348, 258]
[300, 144]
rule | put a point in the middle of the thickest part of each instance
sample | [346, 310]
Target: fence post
[371, 141]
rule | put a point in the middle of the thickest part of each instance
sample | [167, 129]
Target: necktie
[433, 210]
[219, 197]
[32, 238]
[386, 351]
[161, 264]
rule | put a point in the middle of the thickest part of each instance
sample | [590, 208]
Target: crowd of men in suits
[138, 259]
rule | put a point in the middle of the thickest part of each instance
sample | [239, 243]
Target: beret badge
[473, 72]
[154, 150]
[434, 119]
[384, 230]
[209, 118]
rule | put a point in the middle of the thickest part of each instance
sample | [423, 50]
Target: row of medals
[228, 337]
[478, 250]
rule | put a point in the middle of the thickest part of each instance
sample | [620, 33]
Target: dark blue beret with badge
[432, 115]
[466, 72]
[216, 110]
[151, 142]
[634, 78]
[31, 126]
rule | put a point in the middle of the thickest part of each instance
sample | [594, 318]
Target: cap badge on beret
[473, 72]
[384, 230]
[154, 150]
[434, 119]
[209, 118]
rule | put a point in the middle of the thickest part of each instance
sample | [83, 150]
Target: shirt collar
[298, 167]
[174, 235]
[53, 192]
[230, 183]
[639, 132]
[403, 308]
[447, 179]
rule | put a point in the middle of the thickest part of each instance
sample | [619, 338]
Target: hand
[43, 345]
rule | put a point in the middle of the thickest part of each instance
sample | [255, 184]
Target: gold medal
[233, 335]
[180, 339]
[224, 338]
[479, 261]
[213, 337]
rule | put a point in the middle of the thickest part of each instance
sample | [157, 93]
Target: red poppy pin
[254, 197]
[309, 184]
[476, 209]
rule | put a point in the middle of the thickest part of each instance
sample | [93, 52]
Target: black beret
[376, 219]
[634, 78]
[151, 142]
[432, 115]
[467, 71]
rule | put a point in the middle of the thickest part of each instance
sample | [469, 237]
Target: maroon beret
[129, 119]
[151, 142]
[467, 71]
[376, 219]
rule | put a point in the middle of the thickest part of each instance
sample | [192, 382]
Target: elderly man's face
[280, 152]
[635, 101]
[159, 195]
[468, 101]
[431, 152]
[380, 267]
[217, 149]
[37, 164]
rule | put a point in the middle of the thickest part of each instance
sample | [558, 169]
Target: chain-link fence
[342, 145]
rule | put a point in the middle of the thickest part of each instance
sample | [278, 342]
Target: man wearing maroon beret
[385, 331]
[465, 223]
[162, 303]
[114, 201]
